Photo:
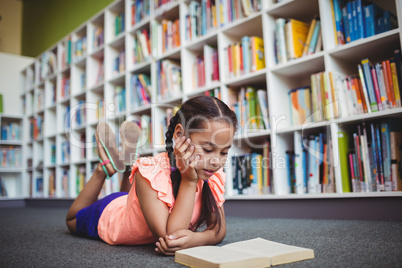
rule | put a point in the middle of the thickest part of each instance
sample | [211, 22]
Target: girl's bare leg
[125, 183]
[91, 190]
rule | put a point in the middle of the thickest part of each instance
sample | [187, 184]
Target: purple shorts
[88, 218]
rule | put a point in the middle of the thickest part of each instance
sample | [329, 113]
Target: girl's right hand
[186, 161]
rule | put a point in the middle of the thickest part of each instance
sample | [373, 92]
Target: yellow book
[331, 2]
[334, 101]
[257, 53]
[296, 35]
[260, 182]
[395, 82]
[256, 252]
[309, 35]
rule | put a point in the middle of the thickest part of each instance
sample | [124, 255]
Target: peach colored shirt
[122, 221]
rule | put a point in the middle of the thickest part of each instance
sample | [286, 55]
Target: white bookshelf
[277, 79]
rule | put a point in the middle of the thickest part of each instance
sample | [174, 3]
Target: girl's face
[212, 144]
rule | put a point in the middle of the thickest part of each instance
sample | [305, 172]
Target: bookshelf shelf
[111, 40]
[11, 142]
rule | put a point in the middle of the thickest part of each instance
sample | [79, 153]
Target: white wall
[10, 81]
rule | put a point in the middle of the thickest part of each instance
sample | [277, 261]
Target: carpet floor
[38, 237]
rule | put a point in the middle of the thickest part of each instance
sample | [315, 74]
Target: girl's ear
[178, 131]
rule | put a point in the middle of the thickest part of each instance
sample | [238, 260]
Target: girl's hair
[192, 115]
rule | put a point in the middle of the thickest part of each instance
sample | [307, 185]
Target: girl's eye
[223, 153]
[207, 151]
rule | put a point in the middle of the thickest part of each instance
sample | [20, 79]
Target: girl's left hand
[171, 243]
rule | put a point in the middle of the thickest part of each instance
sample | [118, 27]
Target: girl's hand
[185, 158]
[171, 243]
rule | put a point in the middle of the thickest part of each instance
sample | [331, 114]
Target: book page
[207, 256]
[277, 252]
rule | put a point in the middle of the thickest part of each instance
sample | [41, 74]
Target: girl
[171, 194]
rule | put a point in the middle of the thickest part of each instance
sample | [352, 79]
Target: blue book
[354, 17]
[254, 172]
[339, 23]
[314, 38]
[360, 19]
[350, 21]
[245, 44]
[346, 24]
[370, 85]
[386, 155]
[369, 20]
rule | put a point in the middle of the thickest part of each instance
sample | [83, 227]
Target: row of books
[65, 87]
[140, 90]
[53, 184]
[119, 63]
[251, 108]
[165, 36]
[206, 67]
[36, 127]
[295, 38]
[245, 56]
[98, 37]
[40, 99]
[355, 19]
[200, 19]
[232, 10]
[216, 92]
[310, 166]
[169, 79]
[119, 24]
[252, 173]
[120, 99]
[139, 10]
[80, 48]
[11, 156]
[370, 157]
[11, 131]
[142, 47]
[65, 152]
[3, 190]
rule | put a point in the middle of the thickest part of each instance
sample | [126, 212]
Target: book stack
[169, 79]
[99, 37]
[120, 99]
[310, 167]
[142, 47]
[200, 19]
[355, 19]
[10, 131]
[11, 156]
[295, 38]
[232, 10]
[251, 108]
[251, 173]
[119, 62]
[139, 10]
[119, 24]
[65, 152]
[80, 48]
[65, 87]
[245, 56]
[140, 90]
[370, 157]
[165, 36]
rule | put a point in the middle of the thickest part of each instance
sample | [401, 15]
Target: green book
[1, 103]
[343, 141]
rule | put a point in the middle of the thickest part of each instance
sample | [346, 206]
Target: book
[296, 34]
[396, 148]
[256, 252]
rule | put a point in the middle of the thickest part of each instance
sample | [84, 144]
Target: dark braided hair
[192, 115]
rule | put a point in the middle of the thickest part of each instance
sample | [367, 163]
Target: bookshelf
[98, 62]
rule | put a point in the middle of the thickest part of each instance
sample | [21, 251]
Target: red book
[387, 85]
[376, 88]
[391, 83]
[229, 51]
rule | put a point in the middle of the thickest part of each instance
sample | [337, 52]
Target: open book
[256, 252]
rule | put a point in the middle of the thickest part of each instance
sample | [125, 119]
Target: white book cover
[298, 162]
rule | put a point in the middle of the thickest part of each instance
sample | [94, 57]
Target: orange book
[177, 35]
[395, 82]
[355, 88]
[360, 86]
[164, 33]
[388, 83]
[391, 83]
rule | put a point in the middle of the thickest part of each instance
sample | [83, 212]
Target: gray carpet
[38, 237]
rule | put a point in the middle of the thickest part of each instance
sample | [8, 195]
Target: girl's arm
[156, 212]
[186, 238]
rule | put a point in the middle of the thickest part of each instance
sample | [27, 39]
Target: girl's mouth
[209, 172]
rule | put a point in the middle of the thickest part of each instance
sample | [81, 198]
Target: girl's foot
[130, 133]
